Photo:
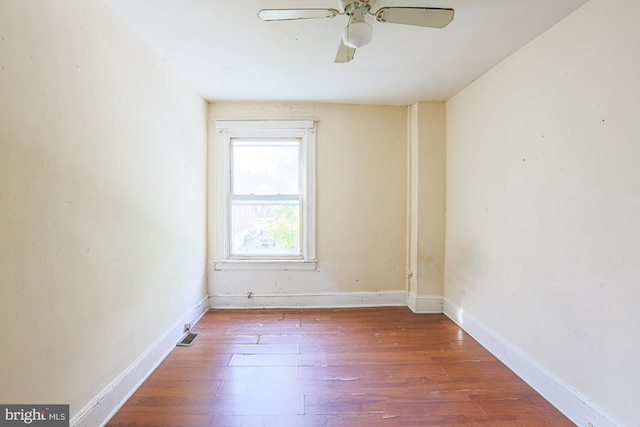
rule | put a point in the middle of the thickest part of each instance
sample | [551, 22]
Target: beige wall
[361, 201]
[543, 206]
[102, 200]
[427, 199]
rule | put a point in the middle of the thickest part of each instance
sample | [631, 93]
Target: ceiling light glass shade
[357, 34]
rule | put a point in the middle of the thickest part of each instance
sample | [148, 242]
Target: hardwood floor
[333, 367]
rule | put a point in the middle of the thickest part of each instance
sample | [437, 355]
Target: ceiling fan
[358, 32]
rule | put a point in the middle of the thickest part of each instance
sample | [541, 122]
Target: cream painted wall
[361, 201]
[102, 200]
[543, 202]
[427, 188]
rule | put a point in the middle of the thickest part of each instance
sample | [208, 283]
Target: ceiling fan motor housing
[348, 6]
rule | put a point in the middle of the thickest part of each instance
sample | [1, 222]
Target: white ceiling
[227, 53]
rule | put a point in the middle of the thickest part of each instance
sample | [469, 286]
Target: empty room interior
[483, 174]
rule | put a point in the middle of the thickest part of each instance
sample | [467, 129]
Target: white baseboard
[104, 406]
[425, 304]
[574, 405]
[321, 300]
[570, 402]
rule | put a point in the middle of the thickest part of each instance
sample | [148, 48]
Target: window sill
[265, 265]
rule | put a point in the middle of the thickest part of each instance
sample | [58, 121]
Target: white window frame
[226, 130]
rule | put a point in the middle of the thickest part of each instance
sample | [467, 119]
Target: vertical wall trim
[407, 268]
[412, 200]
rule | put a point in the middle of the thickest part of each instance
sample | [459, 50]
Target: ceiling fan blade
[420, 16]
[291, 14]
[345, 53]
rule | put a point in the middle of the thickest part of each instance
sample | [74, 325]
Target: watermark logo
[34, 415]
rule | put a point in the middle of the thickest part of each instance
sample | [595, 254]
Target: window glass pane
[265, 166]
[265, 228]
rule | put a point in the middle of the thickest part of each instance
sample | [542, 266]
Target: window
[265, 184]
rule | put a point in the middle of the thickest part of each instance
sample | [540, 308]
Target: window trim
[226, 130]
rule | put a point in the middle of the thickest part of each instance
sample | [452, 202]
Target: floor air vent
[188, 339]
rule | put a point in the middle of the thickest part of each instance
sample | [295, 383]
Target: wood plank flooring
[333, 367]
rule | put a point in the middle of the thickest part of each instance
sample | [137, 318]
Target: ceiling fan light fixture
[357, 34]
